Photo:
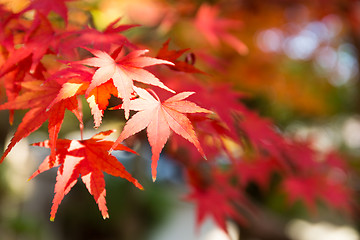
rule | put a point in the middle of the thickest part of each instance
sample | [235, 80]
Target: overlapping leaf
[215, 197]
[87, 159]
[69, 41]
[123, 71]
[37, 97]
[159, 117]
[44, 7]
[249, 146]
[77, 82]
[34, 46]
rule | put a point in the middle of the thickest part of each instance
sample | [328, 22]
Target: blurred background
[297, 61]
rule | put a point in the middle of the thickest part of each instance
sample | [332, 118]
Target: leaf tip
[154, 178]
[127, 115]
[203, 154]
[52, 219]
[138, 185]
[106, 216]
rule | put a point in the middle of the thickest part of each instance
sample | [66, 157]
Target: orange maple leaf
[159, 118]
[98, 100]
[88, 159]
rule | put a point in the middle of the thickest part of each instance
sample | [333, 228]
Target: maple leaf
[214, 203]
[44, 7]
[70, 40]
[72, 82]
[123, 71]
[159, 118]
[37, 98]
[12, 82]
[216, 29]
[222, 99]
[305, 188]
[214, 196]
[325, 180]
[75, 82]
[173, 55]
[33, 48]
[87, 159]
[258, 170]
[265, 140]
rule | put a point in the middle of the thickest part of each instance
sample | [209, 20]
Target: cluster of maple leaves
[47, 69]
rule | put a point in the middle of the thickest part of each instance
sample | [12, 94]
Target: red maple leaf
[214, 196]
[306, 189]
[76, 81]
[69, 41]
[33, 47]
[38, 97]
[87, 159]
[216, 29]
[159, 118]
[223, 100]
[123, 71]
[258, 170]
[13, 79]
[325, 180]
[44, 7]
[173, 55]
[22, 49]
